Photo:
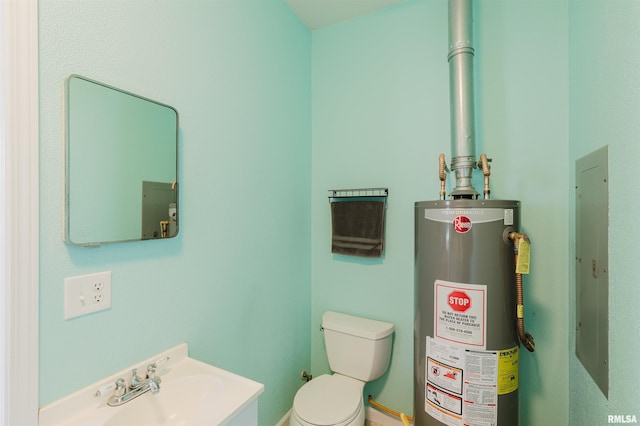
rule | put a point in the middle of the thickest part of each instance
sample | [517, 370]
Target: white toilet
[359, 350]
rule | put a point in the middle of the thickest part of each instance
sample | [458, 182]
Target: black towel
[358, 228]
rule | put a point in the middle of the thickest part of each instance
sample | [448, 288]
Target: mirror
[121, 165]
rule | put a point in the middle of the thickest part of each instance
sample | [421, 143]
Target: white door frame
[19, 247]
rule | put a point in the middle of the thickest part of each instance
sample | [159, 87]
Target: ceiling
[317, 14]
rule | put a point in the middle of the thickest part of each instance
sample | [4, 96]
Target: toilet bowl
[358, 350]
[331, 399]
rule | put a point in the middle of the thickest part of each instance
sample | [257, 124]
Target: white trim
[20, 257]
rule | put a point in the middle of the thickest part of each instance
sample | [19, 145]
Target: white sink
[191, 393]
[171, 407]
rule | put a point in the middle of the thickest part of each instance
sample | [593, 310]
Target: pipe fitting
[304, 376]
[463, 169]
[516, 237]
[486, 172]
[442, 173]
[484, 164]
[459, 51]
[443, 168]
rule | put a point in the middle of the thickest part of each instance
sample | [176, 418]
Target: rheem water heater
[469, 259]
[466, 340]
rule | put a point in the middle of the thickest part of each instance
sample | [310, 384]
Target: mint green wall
[605, 110]
[380, 111]
[235, 283]
[554, 81]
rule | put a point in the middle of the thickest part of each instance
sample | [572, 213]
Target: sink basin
[185, 401]
[191, 393]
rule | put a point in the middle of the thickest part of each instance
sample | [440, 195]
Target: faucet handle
[121, 389]
[151, 370]
[135, 379]
[154, 385]
[105, 389]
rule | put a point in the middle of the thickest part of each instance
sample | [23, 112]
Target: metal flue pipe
[461, 93]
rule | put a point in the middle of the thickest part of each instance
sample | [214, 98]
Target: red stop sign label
[462, 224]
[459, 301]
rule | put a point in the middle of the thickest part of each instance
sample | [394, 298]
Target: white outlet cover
[85, 294]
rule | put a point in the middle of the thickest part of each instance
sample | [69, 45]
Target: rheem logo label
[462, 224]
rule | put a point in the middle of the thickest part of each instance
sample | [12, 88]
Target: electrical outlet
[86, 294]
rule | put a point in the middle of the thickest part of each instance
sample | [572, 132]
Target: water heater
[466, 339]
[470, 256]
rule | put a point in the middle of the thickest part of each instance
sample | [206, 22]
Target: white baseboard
[285, 420]
[371, 414]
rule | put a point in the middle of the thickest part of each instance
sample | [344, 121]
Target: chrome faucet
[138, 386]
[136, 381]
[151, 370]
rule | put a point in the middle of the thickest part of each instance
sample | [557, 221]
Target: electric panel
[592, 266]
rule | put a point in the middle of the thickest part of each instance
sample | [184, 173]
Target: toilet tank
[357, 347]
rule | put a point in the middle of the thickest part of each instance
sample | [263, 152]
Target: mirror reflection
[121, 165]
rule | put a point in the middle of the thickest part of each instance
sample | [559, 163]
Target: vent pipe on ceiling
[463, 155]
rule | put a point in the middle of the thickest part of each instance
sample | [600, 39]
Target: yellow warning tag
[520, 311]
[524, 254]
[507, 371]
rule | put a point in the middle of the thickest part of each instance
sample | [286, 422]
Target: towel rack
[359, 193]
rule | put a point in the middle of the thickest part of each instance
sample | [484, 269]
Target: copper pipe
[443, 176]
[385, 409]
[525, 338]
[486, 171]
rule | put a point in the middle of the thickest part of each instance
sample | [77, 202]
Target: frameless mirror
[121, 177]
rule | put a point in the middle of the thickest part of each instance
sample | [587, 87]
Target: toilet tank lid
[356, 326]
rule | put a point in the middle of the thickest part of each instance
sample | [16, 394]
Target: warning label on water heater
[460, 313]
[461, 385]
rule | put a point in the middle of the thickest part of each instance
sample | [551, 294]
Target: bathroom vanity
[190, 392]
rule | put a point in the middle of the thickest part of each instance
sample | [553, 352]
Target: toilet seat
[341, 399]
